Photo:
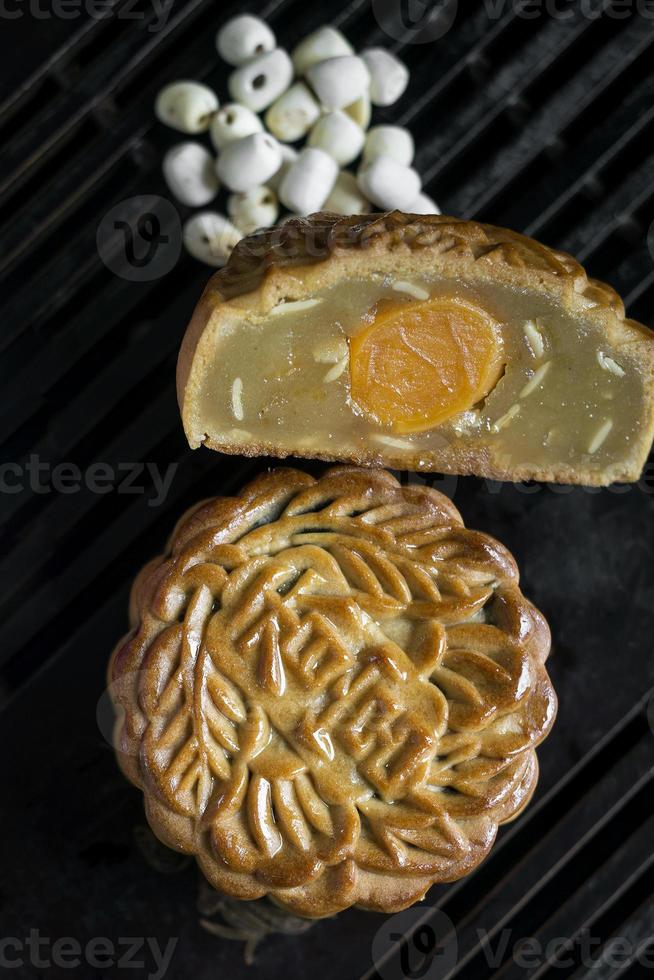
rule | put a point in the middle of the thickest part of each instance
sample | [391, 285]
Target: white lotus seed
[389, 184]
[189, 170]
[262, 80]
[339, 81]
[243, 38]
[289, 156]
[210, 237]
[293, 114]
[338, 135]
[233, 122]
[308, 182]
[423, 204]
[360, 111]
[324, 43]
[249, 162]
[257, 208]
[186, 106]
[389, 76]
[392, 141]
[346, 197]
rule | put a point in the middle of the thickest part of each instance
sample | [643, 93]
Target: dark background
[541, 122]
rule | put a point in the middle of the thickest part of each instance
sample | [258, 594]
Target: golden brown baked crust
[290, 263]
[332, 691]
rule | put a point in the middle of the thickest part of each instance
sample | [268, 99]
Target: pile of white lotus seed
[323, 91]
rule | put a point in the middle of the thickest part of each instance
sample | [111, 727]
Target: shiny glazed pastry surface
[421, 343]
[332, 691]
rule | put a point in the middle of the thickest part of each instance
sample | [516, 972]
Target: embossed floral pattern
[332, 691]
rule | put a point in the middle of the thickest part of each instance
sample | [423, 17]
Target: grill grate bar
[462, 61]
[627, 881]
[632, 931]
[73, 344]
[66, 513]
[88, 365]
[55, 65]
[624, 267]
[109, 569]
[568, 104]
[628, 201]
[82, 99]
[592, 177]
[25, 233]
[603, 886]
[496, 86]
[540, 135]
[640, 290]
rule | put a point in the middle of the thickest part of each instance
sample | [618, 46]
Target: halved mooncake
[418, 342]
[332, 691]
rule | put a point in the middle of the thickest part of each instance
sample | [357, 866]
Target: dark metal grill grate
[544, 125]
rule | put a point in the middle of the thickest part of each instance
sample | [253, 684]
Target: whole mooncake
[419, 342]
[332, 691]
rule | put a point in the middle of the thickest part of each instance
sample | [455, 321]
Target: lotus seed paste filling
[417, 365]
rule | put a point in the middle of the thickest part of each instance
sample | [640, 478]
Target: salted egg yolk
[418, 364]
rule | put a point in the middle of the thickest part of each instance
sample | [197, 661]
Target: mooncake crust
[293, 261]
[331, 691]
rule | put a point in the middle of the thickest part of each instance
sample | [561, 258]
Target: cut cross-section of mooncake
[418, 342]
